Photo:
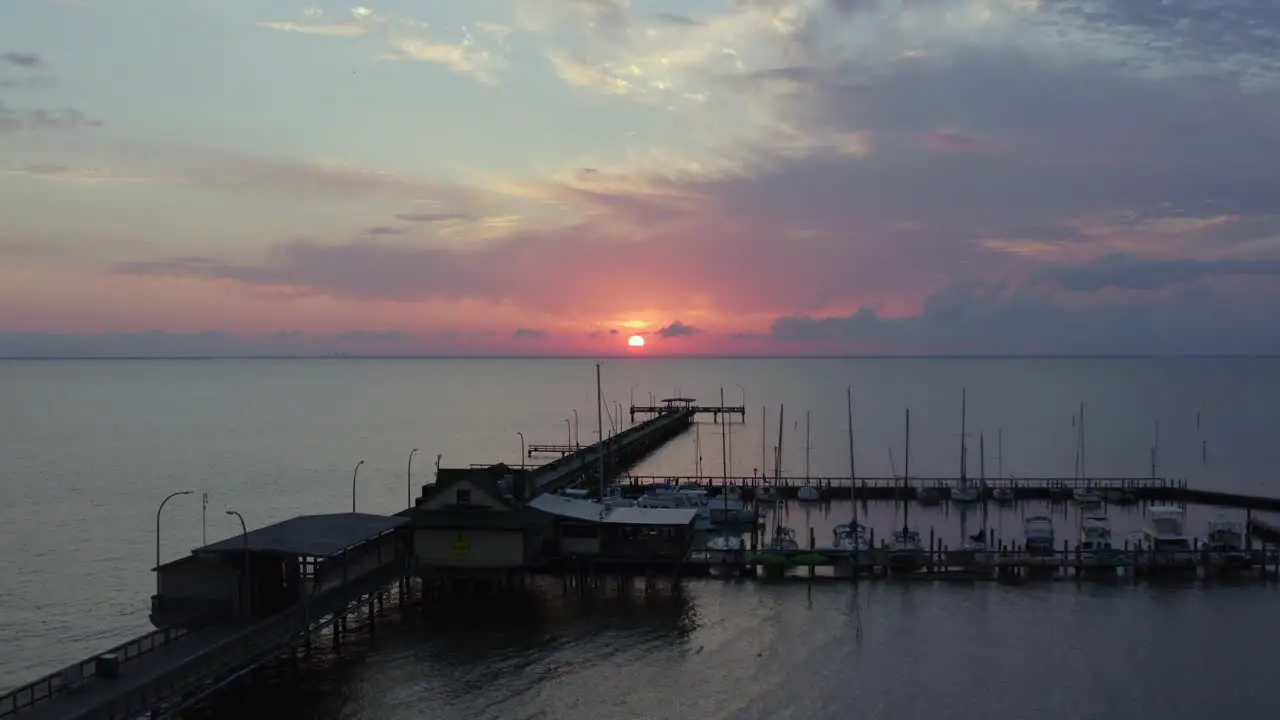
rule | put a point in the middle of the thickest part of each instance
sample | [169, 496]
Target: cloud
[1127, 272]
[989, 319]
[677, 329]
[931, 175]
[359, 21]
[528, 334]
[480, 57]
[232, 171]
[21, 59]
[14, 119]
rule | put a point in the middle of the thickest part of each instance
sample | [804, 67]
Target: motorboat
[669, 499]
[1038, 533]
[1225, 543]
[1165, 537]
[723, 508]
[850, 537]
[783, 541]
[808, 493]
[726, 544]
[1095, 541]
[906, 552]
[614, 499]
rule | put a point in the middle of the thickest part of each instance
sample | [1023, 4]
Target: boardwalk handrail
[1099, 483]
[47, 687]
[261, 640]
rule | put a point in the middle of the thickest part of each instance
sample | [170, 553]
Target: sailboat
[906, 551]
[1084, 496]
[977, 542]
[965, 493]
[850, 536]
[726, 541]
[784, 538]
[807, 492]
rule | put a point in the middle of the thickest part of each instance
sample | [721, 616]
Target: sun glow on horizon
[635, 341]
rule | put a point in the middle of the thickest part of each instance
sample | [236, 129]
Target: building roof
[588, 511]
[318, 536]
[469, 520]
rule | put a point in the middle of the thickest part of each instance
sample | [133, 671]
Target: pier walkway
[620, 452]
[173, 667]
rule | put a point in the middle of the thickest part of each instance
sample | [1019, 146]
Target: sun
[636, 341]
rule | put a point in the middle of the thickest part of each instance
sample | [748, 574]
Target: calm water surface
[91, 447]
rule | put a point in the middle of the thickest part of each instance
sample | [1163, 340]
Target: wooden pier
[551, 449]
[177, 665]
[690, 405]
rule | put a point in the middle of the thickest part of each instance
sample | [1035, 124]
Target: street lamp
[354, 473]
[568, 430]
[244, 534]
[577, 442]
[408, 479]
[521, 449]
[158, 510]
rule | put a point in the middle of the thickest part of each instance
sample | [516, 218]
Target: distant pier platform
[689, 405]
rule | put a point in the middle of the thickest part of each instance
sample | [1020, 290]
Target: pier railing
[251, 646]
[38, 691]
[1100, 483]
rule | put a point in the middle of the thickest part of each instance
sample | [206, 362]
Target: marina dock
[233, 605]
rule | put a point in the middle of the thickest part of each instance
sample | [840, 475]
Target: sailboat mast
[982, 482]
[600, 426]
[1155, 449]
[906, 475]
[964, 416]
[1000, 452]
[764, 444]
[724, 448]
[806, 447]
[777, 465]
[697, 449]
[853, 469]
[1083, 475]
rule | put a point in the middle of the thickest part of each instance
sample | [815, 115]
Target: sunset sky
[213, 177]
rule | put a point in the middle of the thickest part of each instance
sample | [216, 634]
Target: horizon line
[691, 356]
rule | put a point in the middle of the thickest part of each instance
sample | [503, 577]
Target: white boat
[966, 494]
[667, 499]
[783, 541]
[1038, 532]
[1164, 536]
[850, 537]
[726, 543]
[1002, 495]
[906, 552]
[1095, 541]
[614, 499]
[1225, 542]
[808, 493]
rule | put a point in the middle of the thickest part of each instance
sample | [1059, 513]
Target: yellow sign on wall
[461, 546]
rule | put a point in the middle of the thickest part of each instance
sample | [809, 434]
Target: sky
[725, 177]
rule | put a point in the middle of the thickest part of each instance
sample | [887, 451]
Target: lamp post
[169, 497]
[408, 479]
[577, 442]
[244, 534]
[568, 431]
[354, 473]
[521, 449]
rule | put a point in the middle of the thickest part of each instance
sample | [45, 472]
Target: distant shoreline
[96, 358]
